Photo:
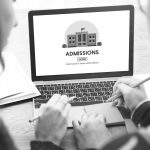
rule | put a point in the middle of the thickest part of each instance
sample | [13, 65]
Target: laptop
[80, 52]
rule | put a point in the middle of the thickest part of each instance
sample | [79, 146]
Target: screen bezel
[31, 14]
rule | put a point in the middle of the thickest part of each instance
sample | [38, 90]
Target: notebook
[81, 47]
[15, 84]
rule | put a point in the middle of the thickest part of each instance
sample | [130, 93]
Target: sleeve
[134, 141]
[44, 145]
[6, 142]
[141, 116]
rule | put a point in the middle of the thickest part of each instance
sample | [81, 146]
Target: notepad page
[111, 113]
[14, 80]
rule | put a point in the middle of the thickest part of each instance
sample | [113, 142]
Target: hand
[131, 96]
[52, 124]
[90, 132]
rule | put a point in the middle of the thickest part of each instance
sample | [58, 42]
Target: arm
[141, 115]
[6, 142]
[136, 141]
[52, 124]
[135, 99]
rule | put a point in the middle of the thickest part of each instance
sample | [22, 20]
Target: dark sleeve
[6, 142]
[44, 145]
[134, 141]
[141, 116]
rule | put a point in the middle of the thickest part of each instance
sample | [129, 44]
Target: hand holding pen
[53, 121]
[65, 100]
[128, 91]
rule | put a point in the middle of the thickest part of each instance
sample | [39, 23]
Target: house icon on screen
[80, 39]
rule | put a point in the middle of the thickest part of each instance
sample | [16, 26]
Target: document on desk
[15, 85]
[111, 113]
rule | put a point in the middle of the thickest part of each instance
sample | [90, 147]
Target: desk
[16, 116]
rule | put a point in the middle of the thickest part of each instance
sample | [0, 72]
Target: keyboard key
[64, 87]
[69, 91]
[83, 90]
[72, 87]
[97, 89]
[78, 95]
[62, 92]
[71, 95]
[99, 98]
[43, 88]
[91, 90]
[76, 100]
[76, 91]
[49, 96]
[51, 88]
[43, 97]
[58, 88]
[93, 85]
[84, 99]
[79, 86]
[91, 99]
[86, 94]
[93, 94]
[105, 98]
[86, 86]
[100, 93]
[55, 92]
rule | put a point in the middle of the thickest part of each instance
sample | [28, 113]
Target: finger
[42, 109]
[66, 99]
[91, 118]
[122, 80]
[124, 89]
[84, 119]
[115, 102]
[66, 111]
[54, 99]
[114, 97]
[63, 99]
[76, 125]
[101, 118]
[70, 99]
[61, 103]
[120, 102]
[111, 99]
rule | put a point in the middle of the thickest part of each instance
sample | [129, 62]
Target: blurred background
[44, 4]
[19, 39]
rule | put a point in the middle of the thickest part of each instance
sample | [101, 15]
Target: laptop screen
[81, 43]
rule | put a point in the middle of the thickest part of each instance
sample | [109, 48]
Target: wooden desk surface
[16, 117]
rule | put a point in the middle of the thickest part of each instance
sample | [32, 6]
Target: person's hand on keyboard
[52, 124]
[91, 132]
[131, 97]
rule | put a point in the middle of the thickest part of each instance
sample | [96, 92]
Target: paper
[14, 83]
[110, 112]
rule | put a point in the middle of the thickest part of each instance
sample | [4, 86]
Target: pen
[10, 95]
[119, 94]
[37, 118]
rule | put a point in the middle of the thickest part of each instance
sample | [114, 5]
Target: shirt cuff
[140, 116]
[44, 145]
[132, 113]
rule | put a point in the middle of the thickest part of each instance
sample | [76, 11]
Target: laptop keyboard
[85, 93]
